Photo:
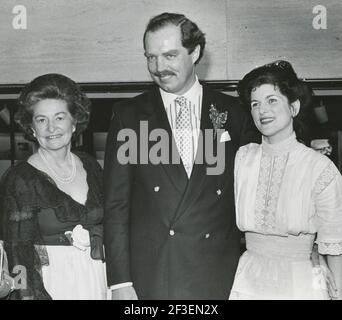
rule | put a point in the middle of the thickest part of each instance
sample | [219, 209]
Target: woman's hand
[6, 285]
[329, 277]
[335, 265]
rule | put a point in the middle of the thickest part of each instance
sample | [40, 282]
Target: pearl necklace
[54, 173]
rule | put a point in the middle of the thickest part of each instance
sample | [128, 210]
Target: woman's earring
[73, 129]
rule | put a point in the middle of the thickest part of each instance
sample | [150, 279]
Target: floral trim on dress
[271, 173]
[20, 216]
[333, 249]
[325, 178]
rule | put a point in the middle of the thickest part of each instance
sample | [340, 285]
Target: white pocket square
[225, 137]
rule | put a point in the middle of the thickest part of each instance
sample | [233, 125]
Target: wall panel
[98, 40]
[262, 31]
[101, 40]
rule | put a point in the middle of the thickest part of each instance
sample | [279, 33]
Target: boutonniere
[217, 118]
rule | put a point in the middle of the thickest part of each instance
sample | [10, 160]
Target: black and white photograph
[173, 151]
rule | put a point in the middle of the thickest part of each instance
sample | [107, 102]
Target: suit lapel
[157, 119]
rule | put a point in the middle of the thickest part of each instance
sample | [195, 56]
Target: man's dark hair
[192, 36]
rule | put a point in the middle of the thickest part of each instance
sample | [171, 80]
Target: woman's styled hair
[280, 73]
[192, 36]
[53, 86]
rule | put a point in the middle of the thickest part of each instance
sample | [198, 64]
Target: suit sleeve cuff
[121, 285]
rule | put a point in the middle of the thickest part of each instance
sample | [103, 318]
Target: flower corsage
[79, 237]
[217, 118]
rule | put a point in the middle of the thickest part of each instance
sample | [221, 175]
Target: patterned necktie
[183, 134]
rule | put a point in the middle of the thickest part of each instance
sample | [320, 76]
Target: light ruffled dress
[287, 197]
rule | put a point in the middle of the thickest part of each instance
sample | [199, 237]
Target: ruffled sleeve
[21, 235]
[328, 203]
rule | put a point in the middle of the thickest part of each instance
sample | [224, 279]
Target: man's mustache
[163, 73]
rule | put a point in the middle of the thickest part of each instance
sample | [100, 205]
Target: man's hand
[125, 293]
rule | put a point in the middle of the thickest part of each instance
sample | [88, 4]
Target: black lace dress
[35, 216]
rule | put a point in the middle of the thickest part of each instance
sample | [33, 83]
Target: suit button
[156, 188]
[172, 232]
[218, 192]
[207, 235]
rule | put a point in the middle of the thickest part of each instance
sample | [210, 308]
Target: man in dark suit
[169, 227]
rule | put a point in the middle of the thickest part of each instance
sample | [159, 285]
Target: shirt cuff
[121, 285]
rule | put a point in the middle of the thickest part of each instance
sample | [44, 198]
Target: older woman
[53, 201]
[287, 195]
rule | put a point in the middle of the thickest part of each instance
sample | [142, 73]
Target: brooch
[218, 119]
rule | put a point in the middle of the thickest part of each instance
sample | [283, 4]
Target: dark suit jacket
[173, 237]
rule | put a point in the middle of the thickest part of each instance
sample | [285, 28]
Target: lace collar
[282, 147]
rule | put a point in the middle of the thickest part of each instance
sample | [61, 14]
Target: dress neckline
[282, 147]
[49, 179]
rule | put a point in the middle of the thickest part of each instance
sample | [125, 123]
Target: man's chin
[165, 84]
[166, 87]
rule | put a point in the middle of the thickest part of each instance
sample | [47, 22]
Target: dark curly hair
[192, 36]
[281, 74]
[53, 86]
